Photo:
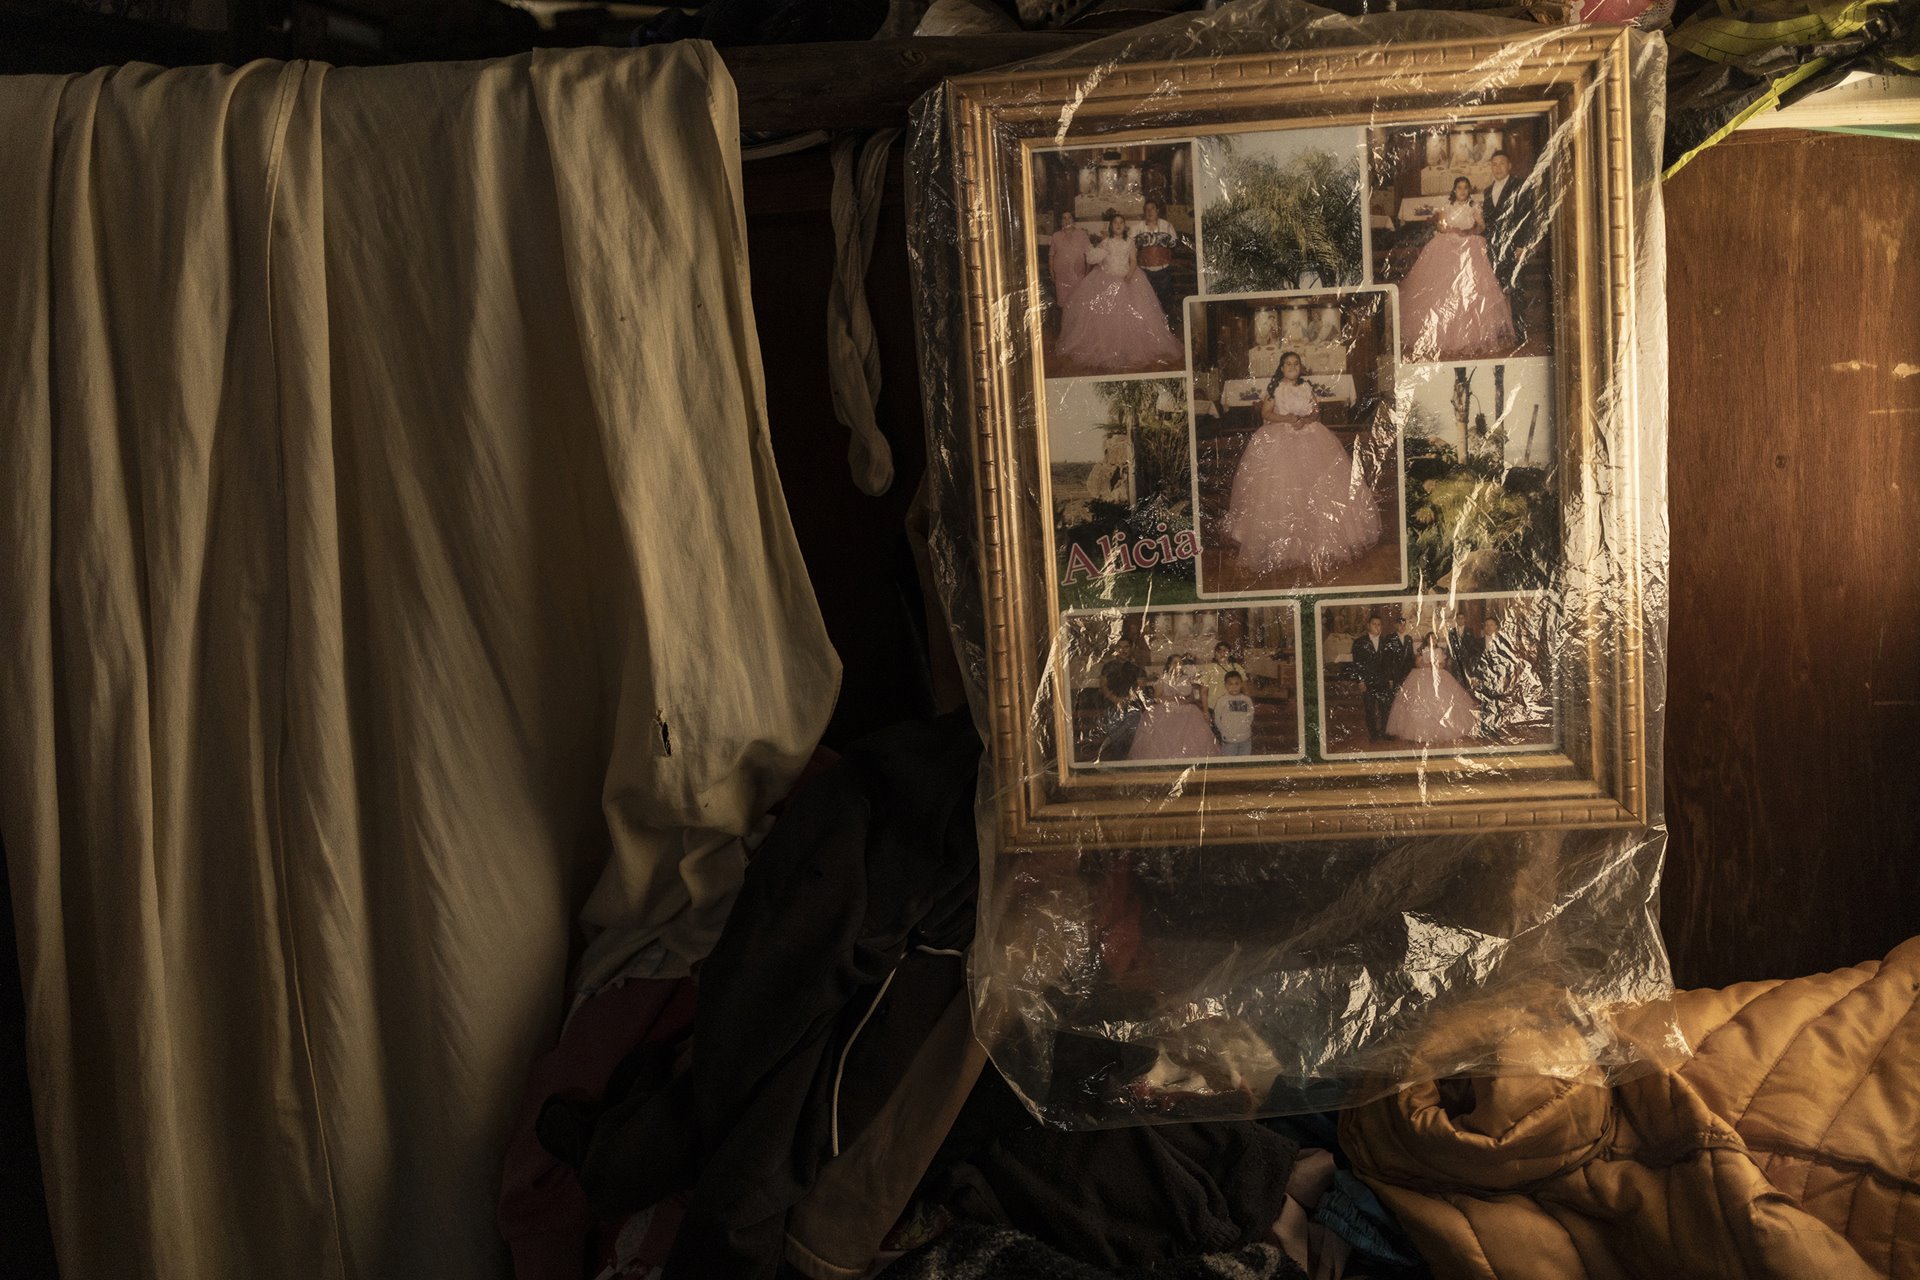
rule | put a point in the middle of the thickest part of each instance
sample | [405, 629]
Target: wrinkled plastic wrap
[1362, 364]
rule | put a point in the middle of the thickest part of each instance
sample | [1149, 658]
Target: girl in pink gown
[1173, 727]
[1298, 499]
[1432, 708]
[1114, 323]
[1451, 303]
[1067, 257]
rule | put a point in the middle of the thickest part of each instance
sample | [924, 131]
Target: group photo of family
[1114, 233]
[1175, 686]
[1296, 452]
[1462, 674]
[1457, 216]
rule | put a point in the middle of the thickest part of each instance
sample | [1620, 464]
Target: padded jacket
[1787, 1146]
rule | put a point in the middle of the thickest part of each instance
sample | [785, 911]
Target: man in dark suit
[1492, 680]
[1507, 209]
[1376, 656]
[1120, 709]
[1463, 648]
[1400, 644]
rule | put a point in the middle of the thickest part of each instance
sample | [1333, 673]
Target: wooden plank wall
[1793, 723]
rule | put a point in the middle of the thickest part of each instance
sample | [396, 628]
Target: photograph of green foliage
[1483, 501]
[1281, 210]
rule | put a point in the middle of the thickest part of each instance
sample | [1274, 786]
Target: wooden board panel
[873, 82]
[1793, 722]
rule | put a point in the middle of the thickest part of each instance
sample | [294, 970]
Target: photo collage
[1298, 412]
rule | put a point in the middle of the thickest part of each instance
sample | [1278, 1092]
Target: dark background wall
[855, 545]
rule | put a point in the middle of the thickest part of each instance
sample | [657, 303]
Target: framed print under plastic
[1301, 410]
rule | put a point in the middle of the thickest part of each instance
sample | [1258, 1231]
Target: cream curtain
[395, 570]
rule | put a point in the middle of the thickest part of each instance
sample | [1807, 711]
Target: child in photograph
[1432, 707]
[1298, 497]
[1451, 304]
[1172, 727]
[1214, 675]
[1233, 717]
[1115, 323]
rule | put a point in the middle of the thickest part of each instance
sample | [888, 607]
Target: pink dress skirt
[1451, 304]
[1173, 731]
[1433, 708]
[1298, 500]
[1115, 325]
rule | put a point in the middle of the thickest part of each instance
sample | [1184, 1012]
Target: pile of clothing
[1732, 61]
[814, 1104]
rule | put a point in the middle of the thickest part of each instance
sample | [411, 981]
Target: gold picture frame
[1594, 774]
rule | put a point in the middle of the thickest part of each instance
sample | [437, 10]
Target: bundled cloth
[1135, 1195]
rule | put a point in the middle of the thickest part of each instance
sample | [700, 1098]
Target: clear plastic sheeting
[1297, 479]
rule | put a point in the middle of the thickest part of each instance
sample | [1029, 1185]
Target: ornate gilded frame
[1597, 775]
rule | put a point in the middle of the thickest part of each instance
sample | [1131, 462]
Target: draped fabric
[395, 577]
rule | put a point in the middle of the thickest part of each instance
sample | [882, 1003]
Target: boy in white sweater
[1233, 717]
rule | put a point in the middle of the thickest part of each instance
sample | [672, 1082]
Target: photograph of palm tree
[1281, 210]
[1483, 493]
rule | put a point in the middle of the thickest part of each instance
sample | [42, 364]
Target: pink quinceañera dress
[1432, 706]
[1451, 304]
[1114, 323]
[1067, 260]
[1298, 499]
[1172, 728]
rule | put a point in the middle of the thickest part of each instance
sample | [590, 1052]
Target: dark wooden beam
[46, 37]
[867, 84]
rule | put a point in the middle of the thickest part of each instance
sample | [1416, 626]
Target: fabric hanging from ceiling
[395, 576]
